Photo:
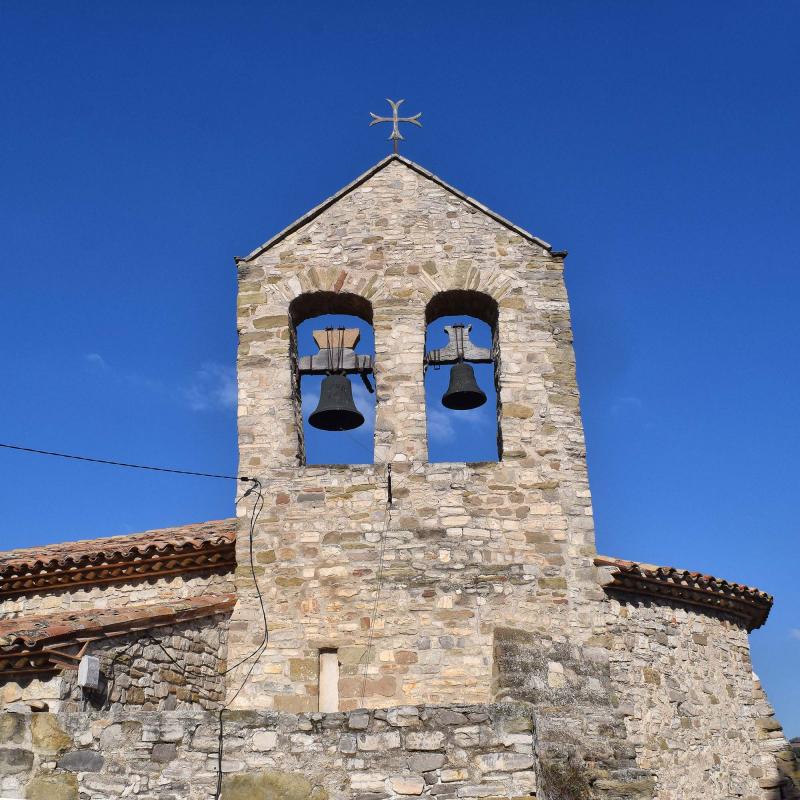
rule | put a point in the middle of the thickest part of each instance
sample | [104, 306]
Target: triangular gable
[316, 211]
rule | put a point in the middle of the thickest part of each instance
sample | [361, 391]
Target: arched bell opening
[461, 378]
[332, 348]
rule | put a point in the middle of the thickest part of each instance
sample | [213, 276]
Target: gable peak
[374, 170]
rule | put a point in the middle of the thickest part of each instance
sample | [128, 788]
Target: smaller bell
[463, 392]
[336, 410]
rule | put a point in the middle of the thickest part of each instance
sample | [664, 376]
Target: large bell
[463, 392]
[336, 410]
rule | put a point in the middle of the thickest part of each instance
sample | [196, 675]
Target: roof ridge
[133, 557]
[8, 555]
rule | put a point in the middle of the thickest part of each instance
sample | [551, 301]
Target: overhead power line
[106, 461]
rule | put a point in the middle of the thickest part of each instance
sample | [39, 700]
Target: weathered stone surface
[12, 728]
[265, 740]
[164, 752]
[427, 740]
[81, 761]
[121, 734]
[389, 740]
[14, 760]
[425, 762]
[270, 785]
[407, 784]
[52, 787]
[318, 754]
[47, 735]
[504, 762]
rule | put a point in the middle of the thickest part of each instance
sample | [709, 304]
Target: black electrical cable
[256, 511]
[257, 508]
[121, 463]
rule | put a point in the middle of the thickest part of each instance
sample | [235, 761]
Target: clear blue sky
[145, 144]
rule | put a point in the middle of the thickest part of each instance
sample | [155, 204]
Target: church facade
[432, 629]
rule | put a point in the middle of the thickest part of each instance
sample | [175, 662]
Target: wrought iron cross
[395, 120]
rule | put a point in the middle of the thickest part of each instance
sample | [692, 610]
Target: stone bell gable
[386, 248]
[467, 547]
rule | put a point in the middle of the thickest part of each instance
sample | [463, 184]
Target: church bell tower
[404, 581]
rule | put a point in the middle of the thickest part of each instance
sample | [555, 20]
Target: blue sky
[144, 145]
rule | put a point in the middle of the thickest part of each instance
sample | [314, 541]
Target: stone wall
[117, 595]
[569, 687]
[781, 759]
[170, 667]
[458, 751]
[691, 705]
[44, 693]
[465, 547]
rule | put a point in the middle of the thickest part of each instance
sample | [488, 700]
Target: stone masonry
[459, 751]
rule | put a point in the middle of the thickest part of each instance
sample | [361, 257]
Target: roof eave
[748, 605]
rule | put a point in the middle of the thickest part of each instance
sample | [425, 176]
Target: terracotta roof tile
[747, 605]
[167, 551]
[42, 643]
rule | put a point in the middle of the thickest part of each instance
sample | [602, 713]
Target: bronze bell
[336, 410]
[463, 392]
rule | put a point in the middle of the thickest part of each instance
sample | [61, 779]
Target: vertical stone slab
[328, 681]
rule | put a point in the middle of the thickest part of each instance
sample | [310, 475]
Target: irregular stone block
[164, 752]
[425, 762]
[450, 775]
[469, 736]
[12, 728]
[52, 787]
[121, 735]
[47, 735]
[403, 716]
[81, 761]
[270, 785]
[504, 762]
[171, 732]
[367, 781]
[264, 740]
[424, 740]
[447, 717]
[14, 760]
[389, 740]
[407, 784]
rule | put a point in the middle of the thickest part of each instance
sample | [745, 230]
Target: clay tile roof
[44, 643]
[168, 551]
[749, 606]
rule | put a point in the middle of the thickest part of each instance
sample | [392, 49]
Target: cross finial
[395, 120]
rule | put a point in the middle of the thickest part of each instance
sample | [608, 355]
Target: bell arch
[462, 377]
[331, 353]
